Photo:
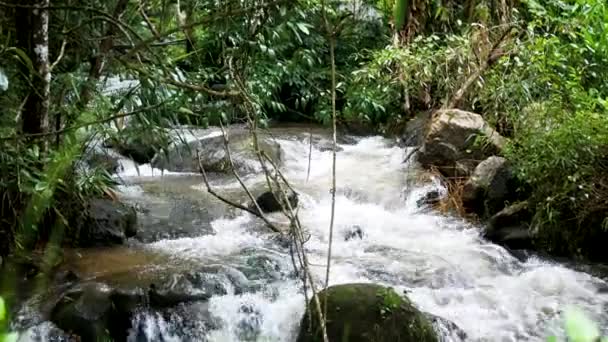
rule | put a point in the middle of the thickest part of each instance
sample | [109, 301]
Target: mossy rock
[367, 313]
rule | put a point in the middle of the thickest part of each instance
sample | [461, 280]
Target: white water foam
[442, 263]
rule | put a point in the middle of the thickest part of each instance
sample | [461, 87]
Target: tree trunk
[35, 116]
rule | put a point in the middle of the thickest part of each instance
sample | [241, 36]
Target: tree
[32, 22]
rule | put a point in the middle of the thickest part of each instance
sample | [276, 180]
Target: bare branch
[61, 52]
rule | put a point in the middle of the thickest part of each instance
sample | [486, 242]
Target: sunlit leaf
[11, 337]
[2, 310]
[579, 327]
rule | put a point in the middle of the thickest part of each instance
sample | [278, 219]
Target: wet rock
[429, 199]
[104, 159]
[447, 330]
[328, 146]
[249, 327]
[456, 140]
[187, 218]
[182, 157]
[104, 222]
[354, 232]
[366, 313]
[270, 203]
[263, 266]
[492, 184]
[511, 227]
[140, 147]
[415, 129]
[94, 313]
[170, 298]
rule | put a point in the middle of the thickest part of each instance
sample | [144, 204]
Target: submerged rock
[270, 202]
[104, 222]
[367, 313]
[456, 140]
[181, 156]
[353, 233]
[429, 199]
[492, 184]
[187, 218]
[447, 330]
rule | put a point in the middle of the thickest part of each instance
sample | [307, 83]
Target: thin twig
[309, 156]
[85, 124]
[229, 202]
[332, 47]
[240, 180]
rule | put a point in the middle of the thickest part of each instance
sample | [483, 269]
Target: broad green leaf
[579, 327]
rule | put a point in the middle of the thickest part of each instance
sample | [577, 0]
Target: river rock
[328, 146]
[95, 312]
[104, 222]
[511, 227]
[181, 157]
[187, 218]
[367, 313]
[141, 147]
[354, 232]
[447, 330]
[492, 184]
[269, 202]
[457, 140]
[414, 132]
[99, 158]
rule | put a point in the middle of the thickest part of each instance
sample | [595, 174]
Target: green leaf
[552, 339]
[23, 57]
[2, 310]
[579, 327]
[303, 28]
[11, 337]
[185, 111]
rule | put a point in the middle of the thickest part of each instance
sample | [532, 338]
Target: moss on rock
[367, 313]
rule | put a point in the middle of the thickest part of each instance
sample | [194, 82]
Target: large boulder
[97, 312]
[492, 184]
[457, 140]
[182, 156]
[104, 222]
[511, 227]
[367, 313]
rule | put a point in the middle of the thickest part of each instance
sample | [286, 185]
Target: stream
[441, 262]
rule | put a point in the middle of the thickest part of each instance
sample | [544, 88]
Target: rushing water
[440, 262]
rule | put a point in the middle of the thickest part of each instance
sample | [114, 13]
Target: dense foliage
[535, 69]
